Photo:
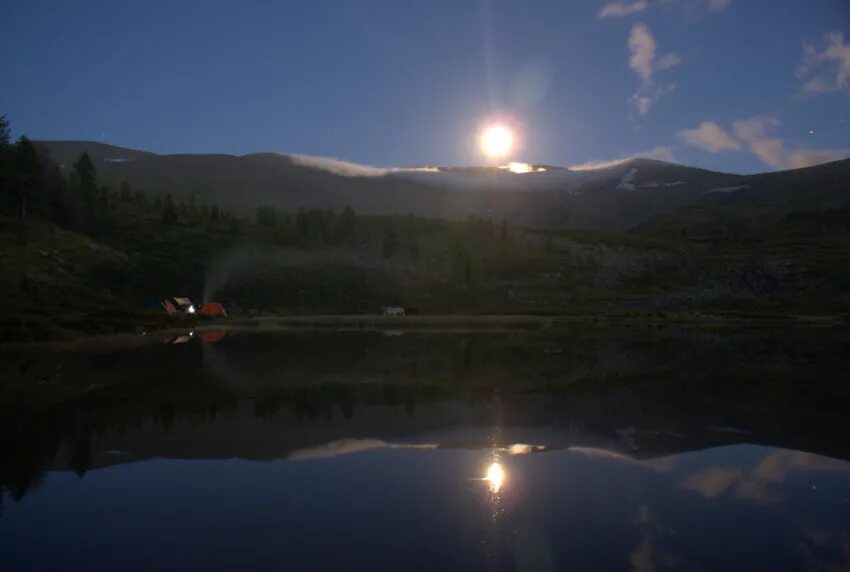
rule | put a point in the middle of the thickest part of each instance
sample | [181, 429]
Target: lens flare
[496, 141]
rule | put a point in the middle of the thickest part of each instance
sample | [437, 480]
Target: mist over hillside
[616, 197]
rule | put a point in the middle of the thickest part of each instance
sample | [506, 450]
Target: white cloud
[620, 9]
[760, 485]
[753, 131]
[826, 70]
[642, 48]
[657, 153]
[644, 60]
[752, 134]
[811, 157]
[755, 128]
[711, 137]
[712, 482]
[770, 151]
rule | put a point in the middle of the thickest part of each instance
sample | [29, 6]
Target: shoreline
[430, 323]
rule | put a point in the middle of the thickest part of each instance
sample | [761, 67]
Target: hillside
[673, 243]
[60, 282]
[614, 198]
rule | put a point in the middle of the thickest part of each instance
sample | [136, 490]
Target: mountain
[634, 393]
[617, 197]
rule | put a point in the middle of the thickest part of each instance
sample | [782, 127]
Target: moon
[496, 141]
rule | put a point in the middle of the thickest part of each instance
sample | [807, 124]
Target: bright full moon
[496, 141]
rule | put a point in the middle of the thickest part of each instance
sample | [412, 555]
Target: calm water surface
[592, 450]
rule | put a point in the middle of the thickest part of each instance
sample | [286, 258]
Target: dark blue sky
[392, 82]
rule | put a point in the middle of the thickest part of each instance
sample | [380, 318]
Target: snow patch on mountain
[626, 183]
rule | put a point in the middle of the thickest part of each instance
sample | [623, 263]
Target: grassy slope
[789, 260]
[735, 262]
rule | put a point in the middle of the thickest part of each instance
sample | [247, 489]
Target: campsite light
[190, 309]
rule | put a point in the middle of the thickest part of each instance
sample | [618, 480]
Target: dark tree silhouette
[389, 244]
[27, 180]
[86, 177]
[266, 215]
[82, 194]
[126, 193]
[169, 213]
[5, 161]
[347, 225]
[5, 131]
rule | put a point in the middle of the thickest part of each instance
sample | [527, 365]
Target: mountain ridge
[617, 197]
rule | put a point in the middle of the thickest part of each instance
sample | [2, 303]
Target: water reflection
[601, 453]
[759, 485]
[495, 477]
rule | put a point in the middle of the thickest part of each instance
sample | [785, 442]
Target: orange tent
[212, 309]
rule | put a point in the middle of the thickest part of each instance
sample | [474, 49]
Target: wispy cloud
[657, 153]
[620, 9]
[347, 446]
[645, 61]
[338, 166]
[711, 137]
[717, 5]
[753, 135]
[826, 70]
[755, 128]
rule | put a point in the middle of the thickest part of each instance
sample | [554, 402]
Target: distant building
[393, 311]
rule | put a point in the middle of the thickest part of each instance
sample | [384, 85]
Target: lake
[551, 449]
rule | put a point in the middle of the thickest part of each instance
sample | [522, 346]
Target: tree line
[33, 186]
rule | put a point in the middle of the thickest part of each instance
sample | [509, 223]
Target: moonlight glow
[495, 477]
[496, 141]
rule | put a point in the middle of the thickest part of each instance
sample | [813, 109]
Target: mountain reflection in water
[593, 450]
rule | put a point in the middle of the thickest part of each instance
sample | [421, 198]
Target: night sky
[732, 85]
